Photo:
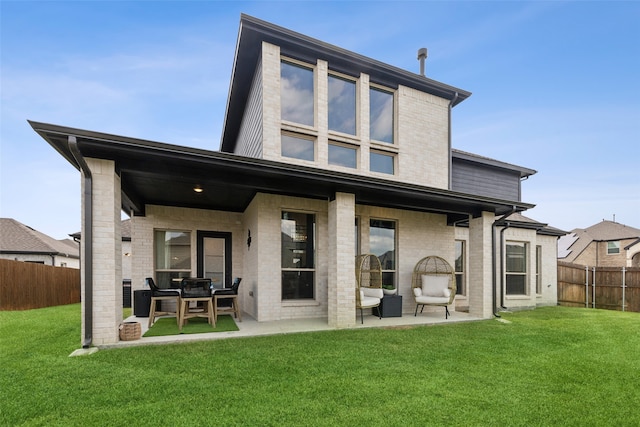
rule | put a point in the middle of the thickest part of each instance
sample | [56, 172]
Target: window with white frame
[298, 255]
[342, 105]
[516, 268]
[460, 267]
[172, 256]
[297, 98]
[613, 248]
[381, 115]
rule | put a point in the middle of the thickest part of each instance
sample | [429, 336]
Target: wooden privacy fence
[25, 285]
[611, 288]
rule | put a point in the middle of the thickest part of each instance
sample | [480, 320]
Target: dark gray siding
[483, 180]
[249, 141]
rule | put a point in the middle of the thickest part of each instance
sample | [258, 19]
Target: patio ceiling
[164, 174]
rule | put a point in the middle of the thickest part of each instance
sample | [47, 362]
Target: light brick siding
[107, 253]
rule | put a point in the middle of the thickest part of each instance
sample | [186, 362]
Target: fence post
[623, 286]
[593, 289]
[586, 286]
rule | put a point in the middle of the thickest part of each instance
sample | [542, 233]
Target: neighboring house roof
[17, 238]
[572, 244]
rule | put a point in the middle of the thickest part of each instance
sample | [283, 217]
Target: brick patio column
[342, 251]
[107, 253]
[480, 266]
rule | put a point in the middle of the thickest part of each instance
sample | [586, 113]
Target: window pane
[381, 115]
[296, 94]
[297, 285]
[298, 148]
[516, 284]
[173, 250]
[298, 255]
[613, 248]
[381, 163]
[382, 242]
[516, 258]
[459, 267]
[342, 105]
[342, 156]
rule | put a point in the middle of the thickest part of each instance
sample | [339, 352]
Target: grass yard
[551, 366]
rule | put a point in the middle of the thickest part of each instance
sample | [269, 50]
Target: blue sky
[556, 87]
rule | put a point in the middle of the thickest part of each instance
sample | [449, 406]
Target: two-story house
[325, 154]
[605, 244]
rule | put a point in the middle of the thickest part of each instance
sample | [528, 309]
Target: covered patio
[249, 327]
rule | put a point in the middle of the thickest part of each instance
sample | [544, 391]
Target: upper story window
[343, 155]
[298, 147]
[613, 248]
[296, 94]
[342, 105]
[381, 162]
[380, 115]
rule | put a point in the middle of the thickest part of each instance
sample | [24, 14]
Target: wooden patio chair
[368, 283]
[434, 283]
[159, 296]
[226, 300]
[195, 291]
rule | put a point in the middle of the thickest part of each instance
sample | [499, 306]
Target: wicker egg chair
[433, 283]
[368, 283]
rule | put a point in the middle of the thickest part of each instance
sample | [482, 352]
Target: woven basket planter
[130, 331]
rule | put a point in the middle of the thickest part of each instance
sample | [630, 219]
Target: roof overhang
[294, 45]
[153, 173]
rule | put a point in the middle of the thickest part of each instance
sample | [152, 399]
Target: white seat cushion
[435, 285]
[432, 300]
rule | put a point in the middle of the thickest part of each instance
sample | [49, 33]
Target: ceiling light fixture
[198, 189]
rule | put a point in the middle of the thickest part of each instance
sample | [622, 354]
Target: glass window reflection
[296, 94]
[342, 105]
[381, 115]
[341, 155]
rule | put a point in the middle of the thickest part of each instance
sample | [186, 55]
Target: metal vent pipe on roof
[422, 56]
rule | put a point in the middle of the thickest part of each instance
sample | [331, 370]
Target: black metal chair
[195, 291]
[226, 300]
[158, 295]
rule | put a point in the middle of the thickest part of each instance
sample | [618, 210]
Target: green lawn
[551, 366]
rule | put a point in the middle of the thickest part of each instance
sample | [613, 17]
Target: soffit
[165, 174]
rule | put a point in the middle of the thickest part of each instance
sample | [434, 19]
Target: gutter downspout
[493, 258]
[454, 99]
[87, 235]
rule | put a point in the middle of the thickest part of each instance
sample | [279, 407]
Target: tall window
[538, 270]
[173, 256]
[460, 267]
[516, 274]
[381, 115]
[296, 93]
[343, 155]
[297, 147]
[298, 255]
[342, 105]
[380, 162]
[382, 243]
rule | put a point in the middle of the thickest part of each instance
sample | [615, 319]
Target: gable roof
[572, 245]
[294, 45]
[17, 238]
